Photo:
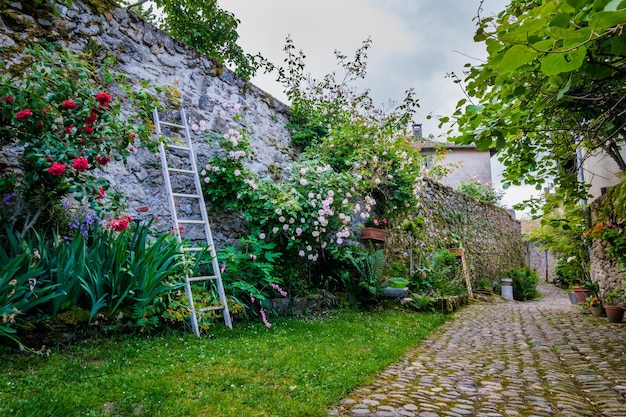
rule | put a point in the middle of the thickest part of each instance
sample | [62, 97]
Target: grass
[294, 368]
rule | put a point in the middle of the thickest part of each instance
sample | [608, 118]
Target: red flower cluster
[7, 99]
[120, 223]
[24, 114]
[57, 169]
[102, 160]
[91, 119]
[99, 193]
[103, 98]
[69, 104]
[80, 164]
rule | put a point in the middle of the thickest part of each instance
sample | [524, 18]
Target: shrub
[525, 282]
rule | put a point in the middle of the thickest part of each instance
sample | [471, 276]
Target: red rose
[120, 224]
[91, 119]
[80, 164]
[69, 104]
[103, 98]
[103, 160]
[99, 193]
[88, 129]
[24, 114]
[57, 169]
[7, 99]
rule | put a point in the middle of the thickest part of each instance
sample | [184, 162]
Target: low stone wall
[492, 238]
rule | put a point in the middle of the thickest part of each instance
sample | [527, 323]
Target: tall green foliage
[553, 84]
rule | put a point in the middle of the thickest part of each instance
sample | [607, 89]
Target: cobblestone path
[539, 358]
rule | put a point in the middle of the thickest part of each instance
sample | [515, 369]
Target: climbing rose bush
[69, 125]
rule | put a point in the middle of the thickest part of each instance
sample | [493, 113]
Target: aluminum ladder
[183, 145]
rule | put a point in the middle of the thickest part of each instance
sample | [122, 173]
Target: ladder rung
[184, 171]
[191, 221]
[172, 125]
[181, 195]
[212, 308]
[182, 148]
[192, 249]
[203, 278]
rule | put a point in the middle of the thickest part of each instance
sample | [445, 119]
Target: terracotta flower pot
[615, 314]
[597, 311]
[373, 233]
[581, 294]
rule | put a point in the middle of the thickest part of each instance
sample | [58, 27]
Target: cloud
[415, 43]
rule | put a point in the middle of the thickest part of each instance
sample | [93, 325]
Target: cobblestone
[537, 358]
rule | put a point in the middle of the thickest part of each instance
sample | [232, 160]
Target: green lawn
[294, 368]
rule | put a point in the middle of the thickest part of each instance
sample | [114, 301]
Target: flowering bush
[69, 125]
[613, 239]
[593, 302]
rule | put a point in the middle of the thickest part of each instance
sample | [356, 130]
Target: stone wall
[491, 237]
[604, 271]
[207, 90]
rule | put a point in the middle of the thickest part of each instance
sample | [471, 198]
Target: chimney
[417, 131]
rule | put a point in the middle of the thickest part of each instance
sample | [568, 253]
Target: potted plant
[396, 287]
[374, 229]
[595, 306]
[613, 306]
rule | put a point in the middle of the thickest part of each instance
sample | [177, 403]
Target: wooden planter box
[379, 235]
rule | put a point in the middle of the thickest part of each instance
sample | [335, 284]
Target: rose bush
[68, 124]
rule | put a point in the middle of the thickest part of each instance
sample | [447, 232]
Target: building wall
[601, 171]
[465, 163]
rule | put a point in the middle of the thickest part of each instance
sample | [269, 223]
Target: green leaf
[577, 4]
[515, 57]
[604, 20]
[564, 89]
[546, 45]
[561, 20]
[558, 62]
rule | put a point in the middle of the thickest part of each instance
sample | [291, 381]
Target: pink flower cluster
[277, 288]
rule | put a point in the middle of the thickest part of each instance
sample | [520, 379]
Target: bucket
[507, 288]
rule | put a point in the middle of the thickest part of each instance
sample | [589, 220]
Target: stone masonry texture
[538, 358]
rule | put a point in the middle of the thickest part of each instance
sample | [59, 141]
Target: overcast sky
[415, 43]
